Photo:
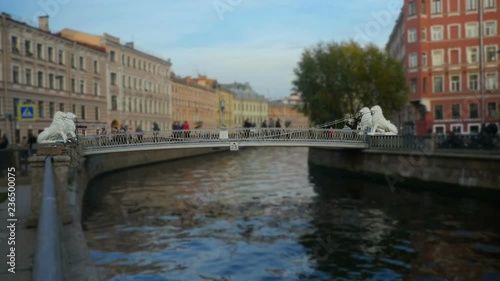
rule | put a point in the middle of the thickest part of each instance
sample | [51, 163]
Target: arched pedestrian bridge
[223, 138]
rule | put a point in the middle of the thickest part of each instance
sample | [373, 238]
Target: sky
[254, 41]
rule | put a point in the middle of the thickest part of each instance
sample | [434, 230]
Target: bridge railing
[218, 135]
[48, 264]
[436, 142]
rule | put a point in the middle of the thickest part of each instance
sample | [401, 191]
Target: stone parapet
[461, 169]
[61, 163]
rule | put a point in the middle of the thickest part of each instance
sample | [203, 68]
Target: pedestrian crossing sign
[26, 112]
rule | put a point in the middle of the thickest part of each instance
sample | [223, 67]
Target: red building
[450, 49]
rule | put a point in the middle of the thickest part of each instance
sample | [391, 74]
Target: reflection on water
[265, 214]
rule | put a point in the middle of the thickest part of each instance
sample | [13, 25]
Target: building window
[472, 55]
[438, 129]
[471, 5]
[437, 84]
[60, 56]
[437, 7]
[73, 65]
[473, 129]
[128, 61]
[457, 129]
[82, 66]
[14, 45]
[413, 85]
[413, 60]
[424, 34]
[28, 76]
[96, 110]
[473, 110]
[113, 79]
[455, 111]
[50, 52]
[73, 108]
[491, 81]
[412, 9]
[73, 85]
[438, 112]
[96, 67]
[40, 79]
[61, 107]
[16, 102]
[41, 109]
[455, 83]
[51, 109]
[471, 30]
[39, 51]
[437, 57]
[60, 82]
[51, 82]
[112, 56]
[437, 33]
[424, 59]
[82, 108]
[423, 8]
[27, 48]
[123, 81]
[491, 54]
[96, 88]
[114, 103]
[489, 4]
[15, 74]
[82, 86]
[490, 28]
[492, 109]
[424, 84]
[412, 35]
[473, 82]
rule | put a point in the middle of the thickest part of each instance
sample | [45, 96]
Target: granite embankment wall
[396, 166]
[73, 172]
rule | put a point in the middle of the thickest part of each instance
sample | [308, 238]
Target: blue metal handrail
[48, 263]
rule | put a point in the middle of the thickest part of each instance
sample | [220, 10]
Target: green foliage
[340, 78]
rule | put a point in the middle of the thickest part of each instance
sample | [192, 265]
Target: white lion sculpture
[366, 119]
[380, 124]
[62, 125]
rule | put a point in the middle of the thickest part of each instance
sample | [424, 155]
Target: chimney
[43, 23]
[129, 45]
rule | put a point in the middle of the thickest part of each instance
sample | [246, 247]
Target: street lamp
[222, 107]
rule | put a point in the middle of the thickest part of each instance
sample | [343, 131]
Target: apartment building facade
[138, 85]
[50, 73]
[193, 103]
[248, 104]
[224, 102]
[450, 51]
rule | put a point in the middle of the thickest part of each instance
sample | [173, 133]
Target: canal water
[267, 214]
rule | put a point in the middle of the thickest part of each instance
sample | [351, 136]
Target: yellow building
[225, 98]
[50, 72]
[193, 103]
[247, 104]
[138, 88]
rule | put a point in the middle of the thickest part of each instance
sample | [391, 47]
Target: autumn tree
[336, 79]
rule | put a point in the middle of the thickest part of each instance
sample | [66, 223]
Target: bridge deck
[230, 138]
